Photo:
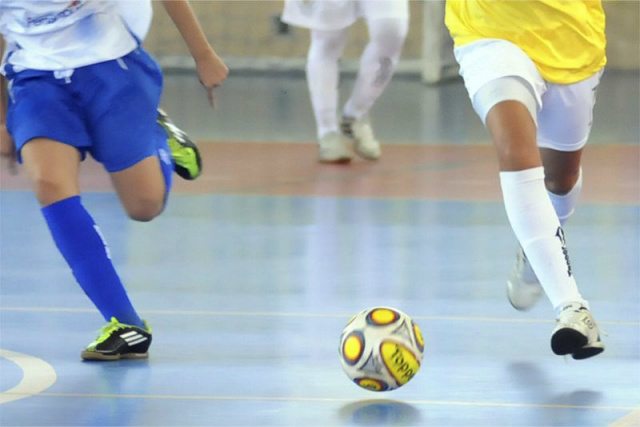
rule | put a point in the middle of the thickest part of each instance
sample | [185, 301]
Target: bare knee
[561, 183]
[561, 170]
[49, 190]
[144, 210]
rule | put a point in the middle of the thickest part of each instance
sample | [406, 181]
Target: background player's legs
[377, 64]
[323, 73]
[53, 168]
[388, 24]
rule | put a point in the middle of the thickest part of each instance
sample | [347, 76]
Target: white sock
[377, 64]
[536, 225]
[323, 76]
[565, 205]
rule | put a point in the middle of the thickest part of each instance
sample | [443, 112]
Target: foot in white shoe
[360, 132]
[333, 149]
[523, 287]
[576, 332]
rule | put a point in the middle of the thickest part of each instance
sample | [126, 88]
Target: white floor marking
[630, 420]
[37, 376]
[309, 315]
[334, 399]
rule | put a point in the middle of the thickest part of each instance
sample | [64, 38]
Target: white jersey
[137, 15]
[62, 34]
[338, 14]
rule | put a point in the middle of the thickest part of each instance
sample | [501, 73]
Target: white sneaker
[576, 333]
[523, 287]
[361, 134]
[333, 149]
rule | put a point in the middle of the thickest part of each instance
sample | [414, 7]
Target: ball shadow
[379, 412]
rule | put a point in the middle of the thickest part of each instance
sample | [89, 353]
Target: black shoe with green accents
[119, 341]
[186, 156]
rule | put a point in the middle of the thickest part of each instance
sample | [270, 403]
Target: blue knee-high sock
[166, 161]
[82, 246]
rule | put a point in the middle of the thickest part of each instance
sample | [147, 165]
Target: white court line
[334, 400]
[307, 315]
[37, 375]
[630, 420]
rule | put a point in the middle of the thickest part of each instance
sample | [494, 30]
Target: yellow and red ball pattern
[352, 347]
[371, 384]
[382, 317]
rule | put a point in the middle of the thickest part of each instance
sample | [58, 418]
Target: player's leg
[133, 148]
[388, 23]
[52, 166]
[128, 141]
[564, 127]
[508, 105]
[143, 187]
[323, 73]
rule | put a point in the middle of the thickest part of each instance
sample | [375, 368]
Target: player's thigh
[486, 63]
[123, 125]
[46, 125]
[122, 113]
[44, 107]
[564, 125]
[566, 117]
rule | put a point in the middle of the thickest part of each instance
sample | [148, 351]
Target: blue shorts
[108, 109]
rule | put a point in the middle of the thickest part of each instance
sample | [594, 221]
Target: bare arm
[211, 69]
[7, 148]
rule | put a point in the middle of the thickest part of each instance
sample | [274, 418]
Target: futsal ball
[381, 349]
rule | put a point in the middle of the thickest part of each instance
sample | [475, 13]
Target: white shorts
[338, 14]
[137, 15]
[563, 113]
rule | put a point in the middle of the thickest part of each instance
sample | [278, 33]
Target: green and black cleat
[119, 341]
[186, 156]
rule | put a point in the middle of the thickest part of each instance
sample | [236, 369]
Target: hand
[212, 72]
[7, 150]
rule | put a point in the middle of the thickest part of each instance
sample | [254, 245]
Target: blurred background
[250, 36]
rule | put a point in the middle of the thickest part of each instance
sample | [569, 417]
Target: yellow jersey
[564, 38]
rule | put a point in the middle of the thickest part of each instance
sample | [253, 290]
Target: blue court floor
[247, 291]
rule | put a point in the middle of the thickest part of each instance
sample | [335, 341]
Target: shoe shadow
[542, 391]
[379, 412]
[115, 380]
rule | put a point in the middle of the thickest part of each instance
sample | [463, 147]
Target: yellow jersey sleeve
[564, 38]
